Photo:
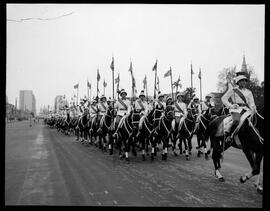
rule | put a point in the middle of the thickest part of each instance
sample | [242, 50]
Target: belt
[122, 109]
[242, 104]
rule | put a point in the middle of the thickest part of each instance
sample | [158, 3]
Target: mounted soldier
[242, 101]
[102, 108]
[195, 107]
[123, 107]
[207, 103]
[169, 101]
[159, 107]
[180, 113]
[141, 106]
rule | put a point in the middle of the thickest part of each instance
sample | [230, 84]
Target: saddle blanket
[226, 125]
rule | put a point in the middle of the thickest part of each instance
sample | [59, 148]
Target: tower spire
[244, 65]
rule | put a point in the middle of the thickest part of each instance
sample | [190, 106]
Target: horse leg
[152, 148]
[216, 155]
[133, 145]
[180, 145]
[199, 147]
[142, 140]
[186, 148]
[165, 149]
[127, 148]
[252, 161]
[174, 143]
[205, 151]
[105, 142]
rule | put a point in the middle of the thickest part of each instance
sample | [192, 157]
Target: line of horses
[157, 129]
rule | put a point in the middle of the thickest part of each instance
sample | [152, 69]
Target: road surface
[45, 167]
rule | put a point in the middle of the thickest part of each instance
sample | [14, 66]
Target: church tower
[244, 70]
[244, 65]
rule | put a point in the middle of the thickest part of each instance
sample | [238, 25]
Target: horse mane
[213, 126]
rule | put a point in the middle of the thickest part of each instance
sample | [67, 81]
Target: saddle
[226, 124]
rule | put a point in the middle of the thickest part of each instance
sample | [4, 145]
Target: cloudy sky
[52, 47]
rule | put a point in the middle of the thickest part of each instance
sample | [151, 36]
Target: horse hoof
[221, 179]
[260, 190]
[111, 152]
[180, 152]
[242, 180]
[189, 152]
[207, 157]
[187, 158]
[152, 156]
[127, 160]
[199, 155]
[175, 154]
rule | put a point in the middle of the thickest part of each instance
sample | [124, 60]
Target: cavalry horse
[67, 124]
[204, 120]
[251, 140]
[126, 132]
[164, 130]
[146, 129]
[94, 130]
[105, 129]
[82, 127]
[185, 133]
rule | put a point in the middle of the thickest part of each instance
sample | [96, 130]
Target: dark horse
[126, 132]
[204, 120]
[67, 124]
[82, 127]
[252, 143]
[105, 129]
[185, 133]
[164, 130]
[145, 131]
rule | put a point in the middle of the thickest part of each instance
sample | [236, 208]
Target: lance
[200, 77]
[172, 84]
[146, 89]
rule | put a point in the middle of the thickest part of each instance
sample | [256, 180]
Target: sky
[59, 45]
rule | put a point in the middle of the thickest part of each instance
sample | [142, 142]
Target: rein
[255, 130]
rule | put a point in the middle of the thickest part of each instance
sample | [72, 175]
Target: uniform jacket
[238, 100]
[183, 108]
[121, 111]
[145, 108]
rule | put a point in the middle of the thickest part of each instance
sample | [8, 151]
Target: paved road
[44, 167]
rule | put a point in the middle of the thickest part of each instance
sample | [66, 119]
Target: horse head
[169, 112]
[135, 118]
[150, 116]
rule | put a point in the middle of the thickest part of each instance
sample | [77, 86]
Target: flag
[117, 80]
[76, 86]
[144, 82]
[200, 75]
[155, 66]
[130, 67]
[98, 75]
[88, 85]
[192, 70]
[168, 73]
[104, 83]
[133, 82]
[157, 83]
[112, 65]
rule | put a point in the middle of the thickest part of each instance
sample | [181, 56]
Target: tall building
[27, 101]
[59, 102]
